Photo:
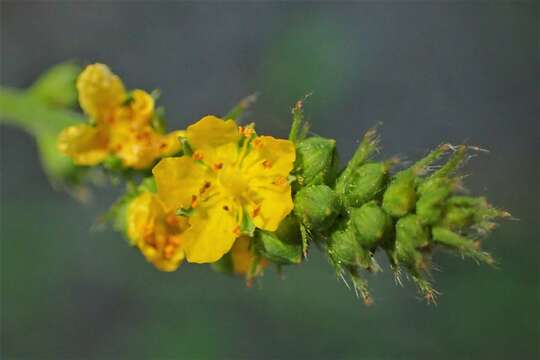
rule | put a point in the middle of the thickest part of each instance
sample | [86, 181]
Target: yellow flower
[242, 258]
[233, 179]
[121, 124]
[156, 232]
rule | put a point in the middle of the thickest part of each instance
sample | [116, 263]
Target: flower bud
[316, 161]
[317, 207]
[343, 247]
[411, 233]
[362, 184]
[283, 245]
[371, 223]
[433, 195]
[400, 196]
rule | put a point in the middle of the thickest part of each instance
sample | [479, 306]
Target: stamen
[236, 230]
[205, 187]
[280, 181]
[267, 164]
[217, 166]
[256, 211]
[193, 201]
[197, 155]
[171, 220]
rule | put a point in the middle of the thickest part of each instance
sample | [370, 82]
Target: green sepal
[371, 223]
[316, 161]
[247, 226]
[317, 206]
[186, 147]
[56, 86]
[460, 243]
[158, 122]
[239, 109]
[276, 250]
[185, 211]
[128, 99]
[224, 265]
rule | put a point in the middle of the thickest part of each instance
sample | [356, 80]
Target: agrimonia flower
[231, 183]
[121, 124]
[241, 201]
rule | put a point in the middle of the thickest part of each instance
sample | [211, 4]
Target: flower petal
[272, 203]
[100, 91]
[86, 144]
[270, 157]
[212, 132]
[212, 233]
[178, 179]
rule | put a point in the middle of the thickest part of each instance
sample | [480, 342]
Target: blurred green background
[430, 71]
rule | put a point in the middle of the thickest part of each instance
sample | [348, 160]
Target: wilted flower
[120, 126]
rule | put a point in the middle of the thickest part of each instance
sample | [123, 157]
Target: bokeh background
[429, 71]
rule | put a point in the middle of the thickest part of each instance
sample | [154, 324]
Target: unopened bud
[317, 206]
[362, 184]
[372, 224]
[316, 161]
[344, 248]
[433, 194]
[400, 196]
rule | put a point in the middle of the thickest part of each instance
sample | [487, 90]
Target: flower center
[233, 181]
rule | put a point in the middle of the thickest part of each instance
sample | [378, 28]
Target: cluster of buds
[365, 207]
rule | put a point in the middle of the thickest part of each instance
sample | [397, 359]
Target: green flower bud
[433, 194]
[464, 245]
[400, 196]
[283, 246]
[362, 184]
[411, 233]
[344, 248]
[317, 207]
[316, 161]
[371, 223]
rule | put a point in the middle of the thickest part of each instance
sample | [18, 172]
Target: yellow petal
[212, 132]
[100, 91]
[270, 157]
[142, 105]
[85, 144]
[141, 216]
[158, 235]
[273, 203]
[212, 233]
[178, 179]
[170, 143]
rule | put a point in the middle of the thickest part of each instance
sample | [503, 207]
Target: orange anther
[267, 164]
[205, 187]
[256, 211]
[280, 181]
[236, 230]
[197, 155]
[193, 201]
[171, 220]
[217, 166]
